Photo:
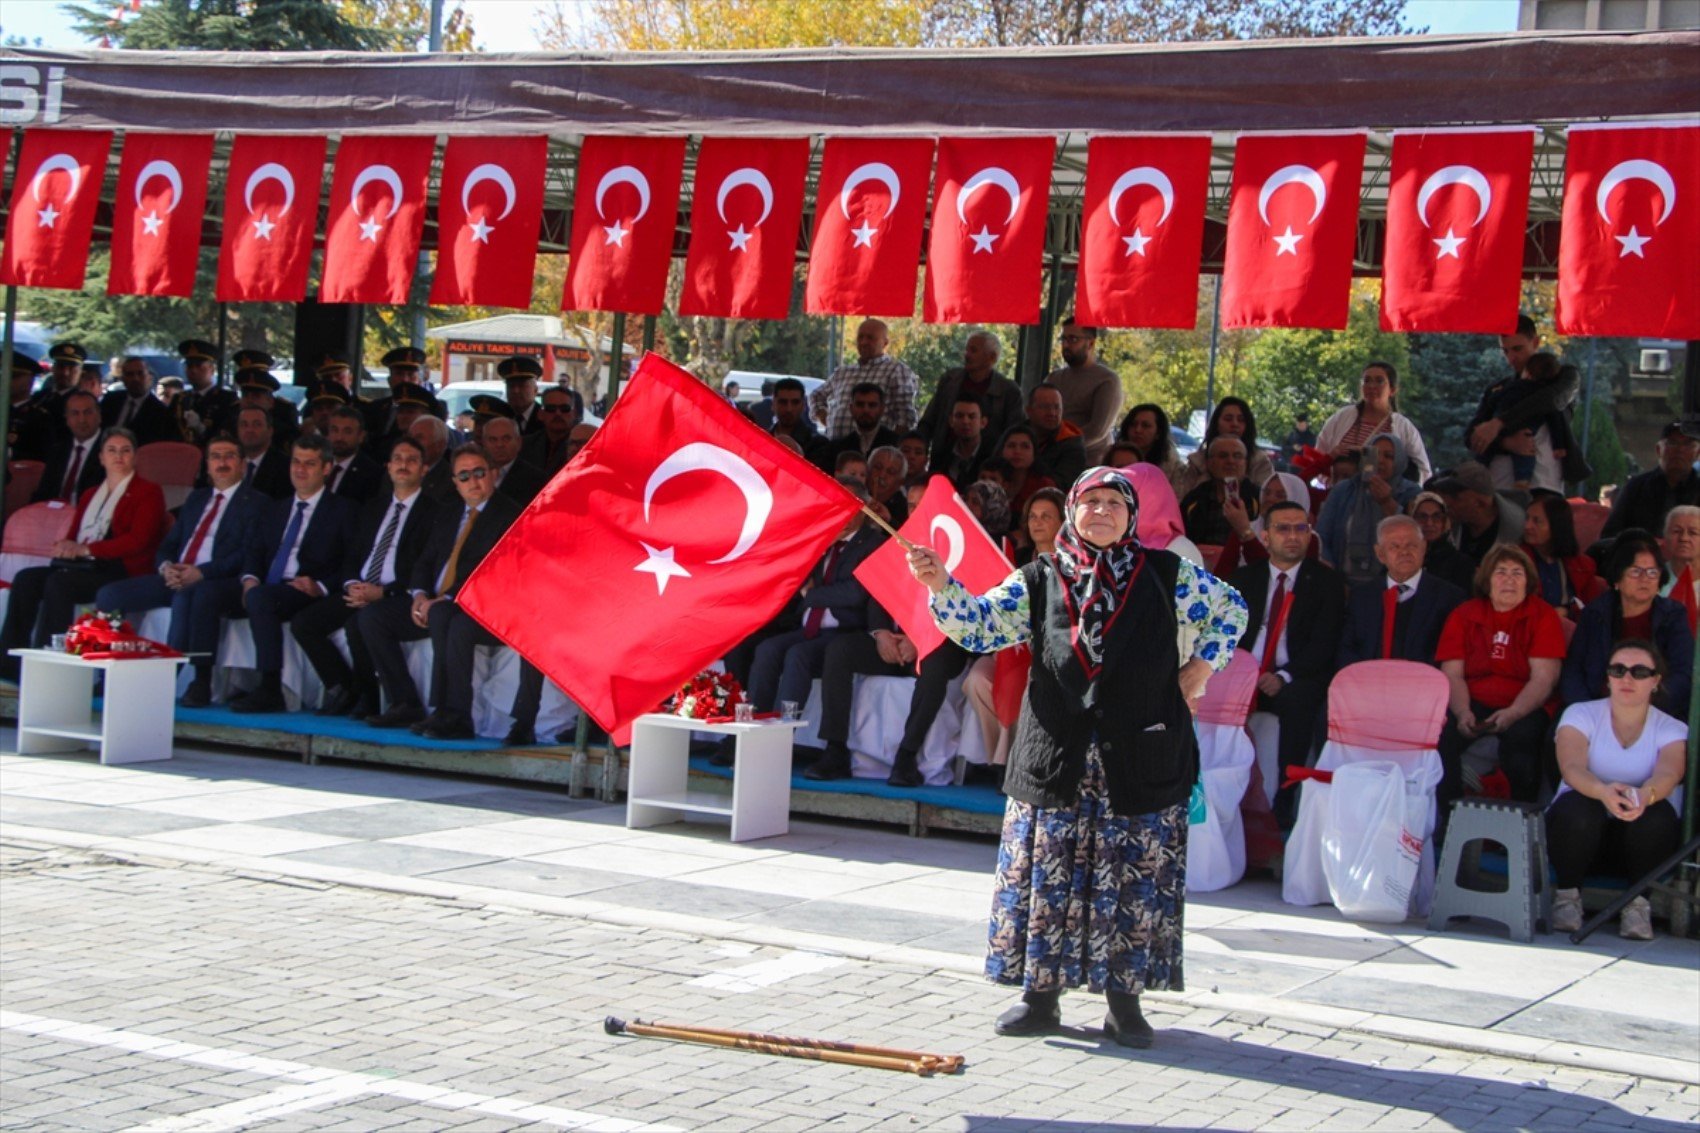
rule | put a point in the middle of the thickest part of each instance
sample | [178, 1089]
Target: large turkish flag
[986, 256]
[1292, 229]
[1626, 252]
[489, 207]
[870, 214]
[625, 207]
[55, 191]
[1142, 231]
[1456, 210]
[376, 218]
[271, 206]
[746, 211]
[679, 529]
[156, 219]
[944, 523]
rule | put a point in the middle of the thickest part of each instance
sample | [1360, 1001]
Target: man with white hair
[978, 374]
[1682, 559]
[433, 437]
[830, 403]
[1399, 616]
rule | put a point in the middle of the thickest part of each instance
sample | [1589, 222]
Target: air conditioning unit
[1655, 362]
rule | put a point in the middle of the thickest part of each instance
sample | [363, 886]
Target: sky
[506, 25]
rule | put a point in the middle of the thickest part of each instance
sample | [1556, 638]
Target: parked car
[458, 395]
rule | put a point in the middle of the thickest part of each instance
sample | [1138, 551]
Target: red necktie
[1277, 621]
[1683, 592]
[1389, 610]
[201, 530]
[814, 616]
[69, 491]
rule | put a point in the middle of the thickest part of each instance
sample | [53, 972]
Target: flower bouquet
[105, 635]
[708, 694]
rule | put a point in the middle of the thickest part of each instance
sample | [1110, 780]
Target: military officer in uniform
[204, 402]
[67, 360]
[32, 431]
[258, 386]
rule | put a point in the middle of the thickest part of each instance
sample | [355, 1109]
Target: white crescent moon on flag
[490, 172]
[1143, 175]
[699, 456]
[270, 171]
[1288, 175]
[624, 175]
[1466, 175]
[1636, 169]
[381, 173]
[58, 163]
[954, 538]
[991, 175]
[746, 176]
[161, 168]
[871, 171]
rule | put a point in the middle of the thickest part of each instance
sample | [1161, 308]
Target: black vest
[1135, 708]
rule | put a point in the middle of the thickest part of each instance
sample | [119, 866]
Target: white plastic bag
[1372, 840]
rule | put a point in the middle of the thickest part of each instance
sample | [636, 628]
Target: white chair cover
[1215, 852]
[877, 715]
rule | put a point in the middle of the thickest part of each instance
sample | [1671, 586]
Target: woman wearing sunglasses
[1632, 609]
[1618, 807]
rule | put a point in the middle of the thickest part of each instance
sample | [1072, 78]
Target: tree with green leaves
[229, 25]
[1053, 23]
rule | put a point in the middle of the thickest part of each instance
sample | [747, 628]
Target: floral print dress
[1084, 896]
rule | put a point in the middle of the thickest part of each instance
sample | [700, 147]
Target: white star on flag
[369, 229]
[151, 223]
[740, 239]
[864, 235]
[982, 239]
[481, 231]
[263, 228]
[616, 235]
[660, 563]
[1448, 245]
[1288, 244]
[46, 217]
[1136, 243]
[1632, 243]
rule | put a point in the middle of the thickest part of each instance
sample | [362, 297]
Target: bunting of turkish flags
[376, 218]
[1142, 231]
[870, 214]
[681, 524]
[489, 209]
[1626, 252]
[271, 206]
[1456, 211]
[746, 211]
[987, 252]
[943, 522]
[625, 207]
[55, 192]
[1292, 229]
[156, 219]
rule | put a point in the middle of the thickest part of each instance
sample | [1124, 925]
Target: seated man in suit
[970, 445]
[389, 539]
[199, 565]
[559, 410]
[264, 468]
[1420, 602]
[296, 558]
[433, 436]
[355, 475]
[136, 408]
[867, 407]
[73, 464]
[1297, 609]
[460, 538]
[499, 436]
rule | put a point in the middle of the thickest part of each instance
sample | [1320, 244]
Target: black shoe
[723, 755]
[197, 695]
[261, 700]
[399, 716]
[339, 701]
[835, 764]
[520, 735]
[1125, 1023]
[366, 705]
[1038, 1013]
[904, 771]
[447, 726]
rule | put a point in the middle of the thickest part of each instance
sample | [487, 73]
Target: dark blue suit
[323, 547]
[196, 609]
[1417, 626]
[786, 664]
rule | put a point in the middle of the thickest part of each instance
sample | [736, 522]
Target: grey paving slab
[511, 801]
[537, 877]
[1607, 1029]
[110, 821]
[1410, 1000]
[698, 900]
[1249, 975]
[388, 857]
[887, 926]
[386, 820]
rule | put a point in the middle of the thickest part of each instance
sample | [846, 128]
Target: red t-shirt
[1496, 648]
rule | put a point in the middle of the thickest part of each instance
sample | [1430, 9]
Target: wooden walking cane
[817, 1050]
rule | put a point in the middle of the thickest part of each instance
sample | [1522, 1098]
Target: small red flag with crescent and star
[489, 207]
[271, 207]
[746, 212]
[678, 529]
[156, 220]
[1626, 247]
[376, 218]
[55, 192]
[1292, 229]
[625, 208]
[986, 256]
[870, 215]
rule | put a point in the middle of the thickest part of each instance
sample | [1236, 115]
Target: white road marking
[766, 973]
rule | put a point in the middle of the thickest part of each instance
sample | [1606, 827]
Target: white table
[656, 783]
[56, 705]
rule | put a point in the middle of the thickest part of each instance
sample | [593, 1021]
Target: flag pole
[889, 529]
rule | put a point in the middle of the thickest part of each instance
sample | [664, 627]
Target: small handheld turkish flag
[376, 218]
[1292, 229]
[1456, 209]
[1142, 231]
[870, 213]
[1631, 226]
[156, 221]
[625, 208]
[987, 250]
[489, 207]
[944, 523]
[55, 191]
[271, 206]
[745, 215]
[678, 529]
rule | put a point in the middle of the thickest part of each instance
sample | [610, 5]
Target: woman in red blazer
[117, 528]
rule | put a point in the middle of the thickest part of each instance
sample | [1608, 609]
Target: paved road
[159, 995]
